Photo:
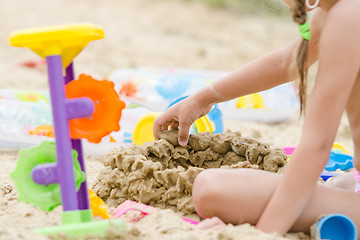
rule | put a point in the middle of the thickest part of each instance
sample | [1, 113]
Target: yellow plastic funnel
[65, 40]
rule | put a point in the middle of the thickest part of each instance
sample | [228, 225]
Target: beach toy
[35, 96]
[338, 147]
[31, 96]
[336, 227]
[338, 160]
[129, 205]
[159, 87]
[128, 89]
[40, 64]
[289, 150]
[143, 130]
[64, 40]
[326, 175]
[43, 130]
[20, 117]
[108, 106]
[216, 116]
[46, 197]
[59, 45]
[144, 209]
[26, 123]
[202, 124]
[98, 206]
[250, 101]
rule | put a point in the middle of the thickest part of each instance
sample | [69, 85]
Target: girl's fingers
[156, 129]
[184, 128]
[174, 125]
[161, 123]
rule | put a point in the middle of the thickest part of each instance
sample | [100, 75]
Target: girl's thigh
[234, 195]
[240, 196]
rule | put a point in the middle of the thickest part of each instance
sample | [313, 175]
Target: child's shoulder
[348, 8]
[345, 15]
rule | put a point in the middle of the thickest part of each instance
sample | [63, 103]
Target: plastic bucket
[336, 227]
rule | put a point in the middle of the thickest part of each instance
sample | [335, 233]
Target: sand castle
[161, 173]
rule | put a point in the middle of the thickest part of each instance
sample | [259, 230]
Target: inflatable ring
[143, 130]
[254, 100]
[46, 197]
[108, 108]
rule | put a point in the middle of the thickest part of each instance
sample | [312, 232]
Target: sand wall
[161, 173]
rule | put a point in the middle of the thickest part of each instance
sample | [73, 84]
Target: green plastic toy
[46, 197]
[54, 173]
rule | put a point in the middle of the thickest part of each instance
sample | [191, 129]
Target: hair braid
[299, 16]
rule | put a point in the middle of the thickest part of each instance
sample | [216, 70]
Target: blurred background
[205, 34]
[220, 35]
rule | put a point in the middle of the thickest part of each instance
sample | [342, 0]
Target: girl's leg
[344, 181]
[240, 195]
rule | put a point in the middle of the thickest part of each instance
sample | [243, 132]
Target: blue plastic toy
[340, 161]
[336, 227]
[326, 175]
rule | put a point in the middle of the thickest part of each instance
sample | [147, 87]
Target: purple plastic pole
[45, 173]
[69, 73]
[82, 194]
[79, 107]
[62, 133]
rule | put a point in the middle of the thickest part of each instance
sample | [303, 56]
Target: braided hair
[299, 16]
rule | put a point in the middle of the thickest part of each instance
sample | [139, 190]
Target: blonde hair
[299, 16]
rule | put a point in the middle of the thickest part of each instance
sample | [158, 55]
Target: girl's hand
[213, 223]
[181, 115]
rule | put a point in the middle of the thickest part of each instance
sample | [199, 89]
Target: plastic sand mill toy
[53, 174]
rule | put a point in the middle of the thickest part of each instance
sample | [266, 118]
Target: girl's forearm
[263, 73]
[270, 70]
[295, 191]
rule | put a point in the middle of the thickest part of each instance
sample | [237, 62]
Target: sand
[161, 33]
[161, 172]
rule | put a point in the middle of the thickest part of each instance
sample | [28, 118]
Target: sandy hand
[180, 116]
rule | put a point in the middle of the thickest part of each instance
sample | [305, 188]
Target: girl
[293, 201]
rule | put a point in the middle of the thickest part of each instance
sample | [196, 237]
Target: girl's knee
[202, 183]
[203, 192]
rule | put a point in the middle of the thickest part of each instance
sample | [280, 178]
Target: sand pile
[161, 173]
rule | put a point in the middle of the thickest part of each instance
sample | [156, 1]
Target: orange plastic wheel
[107, 113]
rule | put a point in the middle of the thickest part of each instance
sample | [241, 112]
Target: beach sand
[146, 33]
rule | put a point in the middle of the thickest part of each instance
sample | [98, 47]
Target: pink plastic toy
[142, 208]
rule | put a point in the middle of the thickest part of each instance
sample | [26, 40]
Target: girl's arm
[270, 70]
[339, 64]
